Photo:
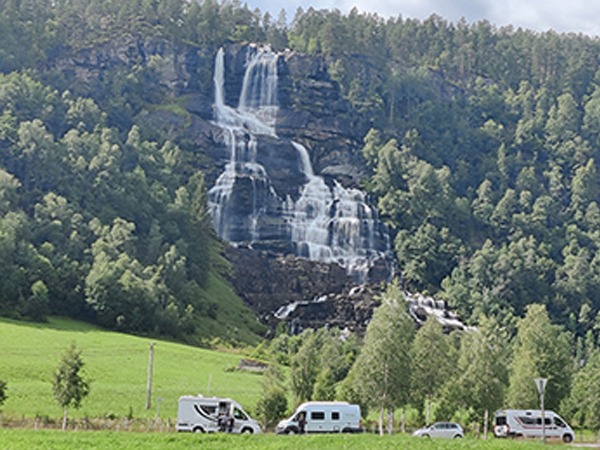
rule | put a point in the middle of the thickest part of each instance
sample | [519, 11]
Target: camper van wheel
[198, 430]
[567, 438]
[247, 431]
[291, 431]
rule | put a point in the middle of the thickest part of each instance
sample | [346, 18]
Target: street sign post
[540, 383]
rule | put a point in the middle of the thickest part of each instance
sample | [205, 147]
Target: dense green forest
[100, 226]
[481, 145]
[480, 148]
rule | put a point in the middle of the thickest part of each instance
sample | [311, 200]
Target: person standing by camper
[222, 421]
[302, 422]
[230, 422]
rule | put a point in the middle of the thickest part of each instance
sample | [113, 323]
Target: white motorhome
[209, 414]
[528, 423]
[322, 417]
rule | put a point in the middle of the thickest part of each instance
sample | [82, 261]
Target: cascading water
[322, 222]
[334, 224]
[254, 116]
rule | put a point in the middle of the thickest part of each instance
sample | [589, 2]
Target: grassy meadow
[15, 439]
[117, 365]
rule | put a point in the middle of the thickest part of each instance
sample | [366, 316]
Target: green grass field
[11, 439]
[117, 365]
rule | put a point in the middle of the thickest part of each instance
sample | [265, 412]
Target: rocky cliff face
[299, 292]
[311, 108]
[269, 194]
[305, 294]
[267, 178]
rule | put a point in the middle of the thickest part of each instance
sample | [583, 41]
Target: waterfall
[254, 116]
[333, 224]
[325, 222]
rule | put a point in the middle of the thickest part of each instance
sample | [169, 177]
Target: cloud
[573, 16]
[577, 16]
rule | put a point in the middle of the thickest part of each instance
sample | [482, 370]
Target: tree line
[426, 374]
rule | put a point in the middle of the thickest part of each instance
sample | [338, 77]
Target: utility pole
[540, 383]
[149, 385]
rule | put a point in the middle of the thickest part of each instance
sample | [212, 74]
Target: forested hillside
[480, 145]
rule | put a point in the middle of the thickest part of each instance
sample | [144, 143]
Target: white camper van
[528, 423]
[209, 414]
[322, 417]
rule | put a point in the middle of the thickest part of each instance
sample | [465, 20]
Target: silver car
[441, 430]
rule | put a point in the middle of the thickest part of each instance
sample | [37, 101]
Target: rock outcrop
[305, 294]
[267, 280]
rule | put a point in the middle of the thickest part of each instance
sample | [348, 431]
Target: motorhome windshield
[239, 414]
[559, 423]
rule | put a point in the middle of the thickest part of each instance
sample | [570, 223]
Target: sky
[563, 16]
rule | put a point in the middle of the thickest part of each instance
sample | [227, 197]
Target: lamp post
[540, 383]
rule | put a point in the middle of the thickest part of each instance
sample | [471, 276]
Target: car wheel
[247, 431]
[458, 436]
[426, 436]
[567, 438]
[198, 430]
[290, 431]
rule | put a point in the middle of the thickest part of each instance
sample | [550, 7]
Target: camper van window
[317, 415]
[527, 420]
[209, 410]
[239, 415]
[547, 421]
[559, 422]
[335, 415]
[501, 420]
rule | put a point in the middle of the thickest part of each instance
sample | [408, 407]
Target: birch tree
[68, 385]
[382, 369]
[541, 350]
[583, 404]
[305, 367]
[483, 365]
[432, 363]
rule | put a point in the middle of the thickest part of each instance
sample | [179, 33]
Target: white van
[323, 417]
[528, 423]
[209, 414]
